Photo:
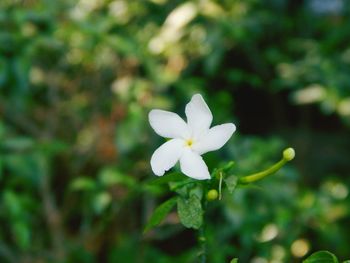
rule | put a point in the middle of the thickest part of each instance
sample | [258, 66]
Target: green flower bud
[288, 154]
[212, 195]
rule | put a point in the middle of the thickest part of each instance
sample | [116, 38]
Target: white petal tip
[156, 170]
[151, 114]
[233, 127]
[205, 178]
[197, 96]
[158, 173]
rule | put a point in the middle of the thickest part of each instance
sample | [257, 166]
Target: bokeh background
[78, 78]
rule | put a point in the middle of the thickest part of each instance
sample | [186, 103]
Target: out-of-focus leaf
[28, 166]
[235, 260]
[17, 143]
[160, 213]
[111, 176]
[53, 147]
[101, 201]
[12, 204]
[122, 44]
[83, 184]
[21, 234]
[190, 212]
[321, 257]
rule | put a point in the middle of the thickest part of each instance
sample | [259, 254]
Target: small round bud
[288, 154]
[212, 195]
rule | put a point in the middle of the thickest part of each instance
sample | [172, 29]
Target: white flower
[188, 140]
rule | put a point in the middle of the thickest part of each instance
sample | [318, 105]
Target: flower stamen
[189, 142]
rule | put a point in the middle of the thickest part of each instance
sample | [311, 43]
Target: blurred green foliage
[78, 78]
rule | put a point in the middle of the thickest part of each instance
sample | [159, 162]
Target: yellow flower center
[189, 142]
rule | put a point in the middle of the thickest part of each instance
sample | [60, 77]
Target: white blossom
[188, 141]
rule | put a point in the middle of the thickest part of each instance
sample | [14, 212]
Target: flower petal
[193, 165]
[198, 115]
[166, 156]
[216, 137]
[168, 124]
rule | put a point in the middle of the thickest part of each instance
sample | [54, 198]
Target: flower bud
[288, 154]
[212, 195]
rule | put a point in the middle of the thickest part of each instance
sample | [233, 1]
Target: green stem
[220, 185]
[288, 155]
[182, 184]
[202, 239]
[260, 175]
[203, 244]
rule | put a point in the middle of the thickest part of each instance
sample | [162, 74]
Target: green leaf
[83, 183]
[21, 234]
[172, 177]
[231, 182]
[12, 204]
[111, 176]
[321, 257]
[234, 260]
[52, 147]
[101, 202]
[18, 143]
[178, 186]
[160, 213]
[190, 212]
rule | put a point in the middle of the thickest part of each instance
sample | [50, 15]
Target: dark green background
[78, 78]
